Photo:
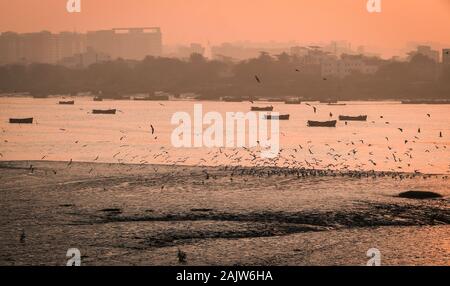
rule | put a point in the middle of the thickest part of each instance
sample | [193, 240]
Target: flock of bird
[343, 155]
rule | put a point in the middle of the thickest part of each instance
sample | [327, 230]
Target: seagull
[257, 79]
[181, 256]
[22, 237]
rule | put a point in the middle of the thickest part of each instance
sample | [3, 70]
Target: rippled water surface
[64, 133]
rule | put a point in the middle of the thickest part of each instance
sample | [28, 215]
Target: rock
[419, 195]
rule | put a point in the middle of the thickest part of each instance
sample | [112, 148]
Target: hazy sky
[185, 21]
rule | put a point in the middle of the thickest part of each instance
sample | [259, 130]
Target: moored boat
[353, 118]
[277, 117]
[71, 102]
[107, 111]
[98, 98]
[21, 120]
[312, 123]
[337, 104]
[267, 108]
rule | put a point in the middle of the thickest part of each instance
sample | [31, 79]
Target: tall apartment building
[46, 47]
[127, 43]
[347, 65]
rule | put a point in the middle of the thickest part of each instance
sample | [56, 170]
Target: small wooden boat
[337, 104]
[329, 101]
[322, 123]
[293, 101]
[108, 111]
[21, 120]
[71, 102]
[268, 108]
[98, 98]
[277, 117]
[353, 118]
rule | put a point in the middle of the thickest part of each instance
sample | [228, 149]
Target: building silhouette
[446, 56]
[47, 47]
[127, 43]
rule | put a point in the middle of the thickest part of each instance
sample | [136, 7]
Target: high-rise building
[446, 56]
[46, 47]
[127, 43]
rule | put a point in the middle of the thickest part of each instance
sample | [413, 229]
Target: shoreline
[126, 215]
[325, 172]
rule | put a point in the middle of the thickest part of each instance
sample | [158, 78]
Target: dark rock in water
[419, 195]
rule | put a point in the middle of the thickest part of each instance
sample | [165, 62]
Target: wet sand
[119, 214]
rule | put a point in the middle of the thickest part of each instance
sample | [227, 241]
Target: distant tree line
[280, 76]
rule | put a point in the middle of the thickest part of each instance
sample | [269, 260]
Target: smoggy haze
[400, 22]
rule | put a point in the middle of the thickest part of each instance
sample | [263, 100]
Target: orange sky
[185, 21]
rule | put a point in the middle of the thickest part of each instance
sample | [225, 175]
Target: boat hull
[277, 117]
[269, 108]
[353, 118]
[67, 102]
[322, 123]
[111, 111]
[21, 120]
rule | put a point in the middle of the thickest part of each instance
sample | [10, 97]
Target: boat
[277, 117]
[322, 123]
[71, 102]
[107, 111]
[21, 120]
[267, 108]
[353, 118]
[337, 104]
[293, 101]
[98, 98]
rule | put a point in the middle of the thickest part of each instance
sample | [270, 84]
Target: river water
[72, 132]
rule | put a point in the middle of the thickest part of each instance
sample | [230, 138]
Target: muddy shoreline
[120, 214]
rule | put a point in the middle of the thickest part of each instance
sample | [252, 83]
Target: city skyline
[399, 23]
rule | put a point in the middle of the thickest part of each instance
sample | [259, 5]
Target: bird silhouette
[181, 256]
